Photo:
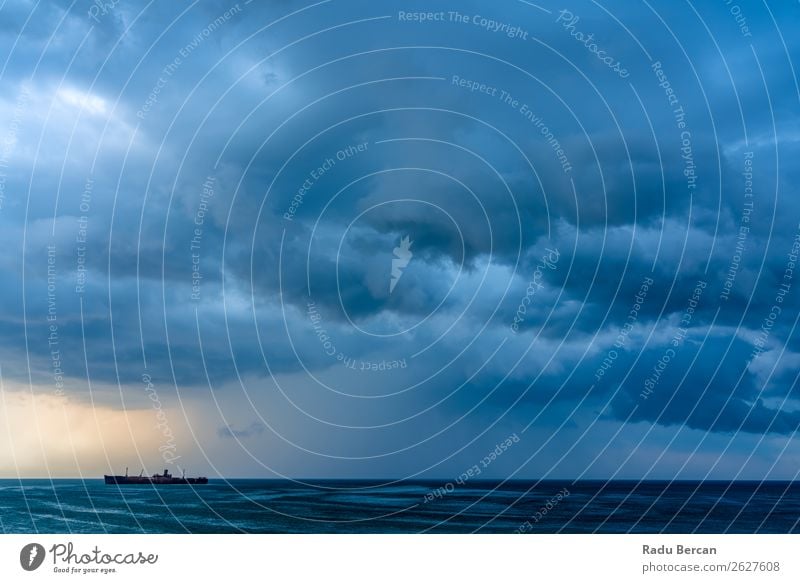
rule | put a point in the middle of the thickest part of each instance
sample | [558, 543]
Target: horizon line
[434, 479]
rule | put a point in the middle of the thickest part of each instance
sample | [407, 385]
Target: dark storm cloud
[251, 430]
[718, 393]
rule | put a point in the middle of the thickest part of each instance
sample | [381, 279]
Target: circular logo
[31, 556]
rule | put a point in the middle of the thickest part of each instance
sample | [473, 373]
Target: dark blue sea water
[270, 506]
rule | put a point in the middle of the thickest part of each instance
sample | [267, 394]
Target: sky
[347, 239]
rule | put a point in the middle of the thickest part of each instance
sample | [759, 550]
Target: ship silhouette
[156, 479]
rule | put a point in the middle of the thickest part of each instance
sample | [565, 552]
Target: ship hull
[152, 480]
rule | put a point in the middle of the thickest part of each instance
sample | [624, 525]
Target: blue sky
[203, 209]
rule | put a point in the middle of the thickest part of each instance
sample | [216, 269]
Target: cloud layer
[215, 197]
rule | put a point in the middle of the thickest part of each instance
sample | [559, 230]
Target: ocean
[331, 506]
